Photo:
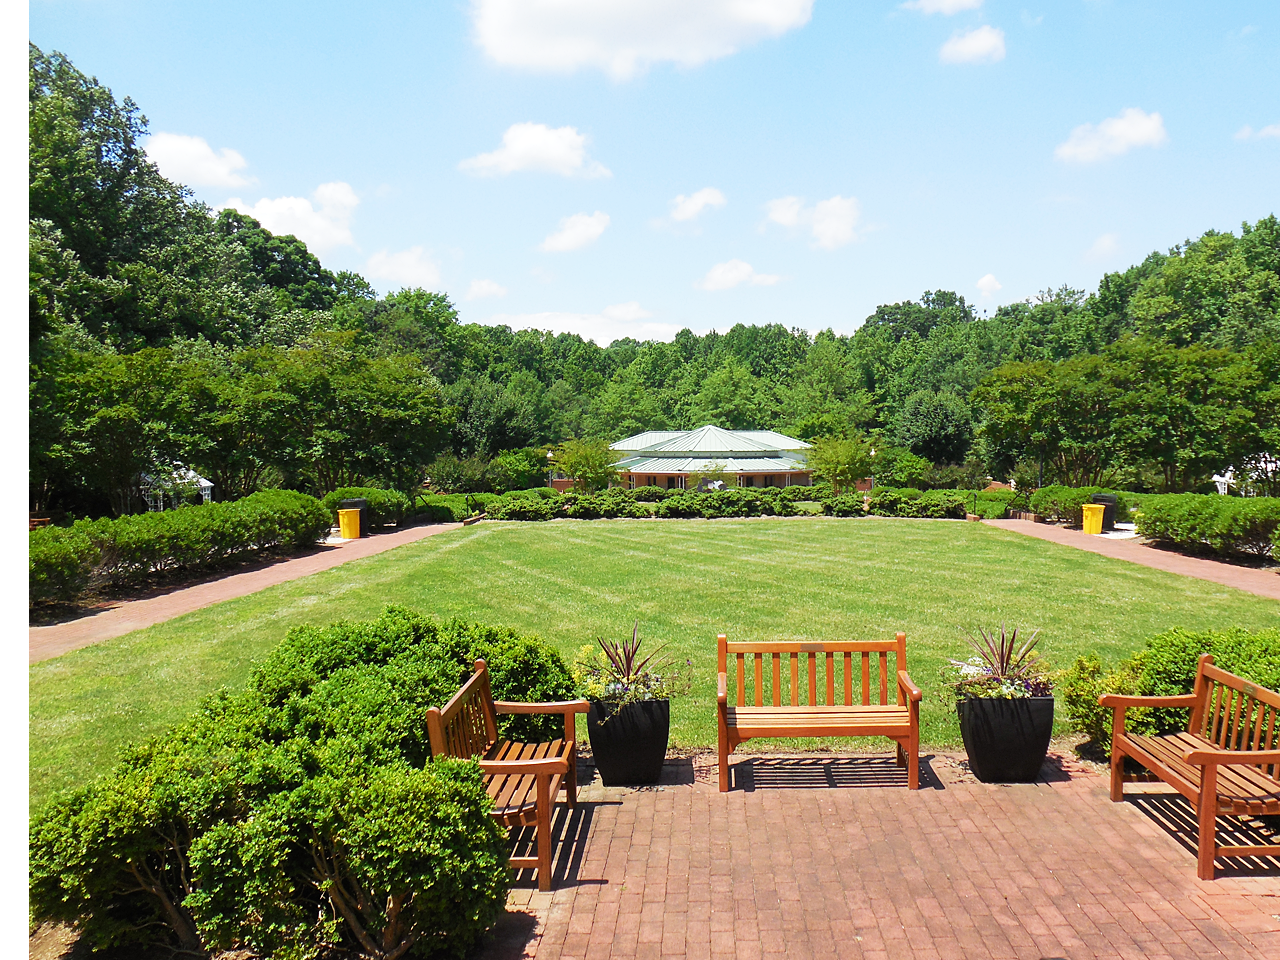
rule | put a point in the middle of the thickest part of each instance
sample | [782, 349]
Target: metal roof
[703, 464]
[710, 440]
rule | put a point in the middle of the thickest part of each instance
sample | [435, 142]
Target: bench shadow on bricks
[808, 773]
[1175, 815]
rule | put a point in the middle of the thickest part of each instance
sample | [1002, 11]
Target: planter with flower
[1004, 699]
[629, 715]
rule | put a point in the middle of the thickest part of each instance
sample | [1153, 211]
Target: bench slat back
[786, 672]
[466, 726]
[1235, 713]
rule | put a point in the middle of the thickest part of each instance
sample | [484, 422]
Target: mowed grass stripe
[571, 582]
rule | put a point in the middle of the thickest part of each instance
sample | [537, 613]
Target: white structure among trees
[755, 458]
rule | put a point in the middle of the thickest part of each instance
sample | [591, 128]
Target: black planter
[1006, 739]
[629, 744]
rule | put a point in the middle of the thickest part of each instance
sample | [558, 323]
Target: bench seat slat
[1240, 789]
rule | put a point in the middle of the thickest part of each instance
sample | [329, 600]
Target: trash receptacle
[349, 524]
[1093, 517]
[1108, 501]
[361, 506]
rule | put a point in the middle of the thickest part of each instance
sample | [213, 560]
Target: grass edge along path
[573, 581]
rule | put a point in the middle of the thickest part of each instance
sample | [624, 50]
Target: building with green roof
[755, 458]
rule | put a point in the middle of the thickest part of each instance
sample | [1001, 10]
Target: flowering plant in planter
[629, 715]
[1004, 701]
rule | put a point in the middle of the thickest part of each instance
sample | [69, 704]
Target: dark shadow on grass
[1175, 815]
[570, 827]
[811, 773]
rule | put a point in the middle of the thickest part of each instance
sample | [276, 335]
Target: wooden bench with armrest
[523, 779]
[786, 716]
[1226, 763]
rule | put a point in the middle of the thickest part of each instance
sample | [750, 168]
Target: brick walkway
[129, 615]
[1264, 582]
[805, 860]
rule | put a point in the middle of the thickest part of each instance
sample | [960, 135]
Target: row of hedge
[64, 562]
[385, 507]
[1066, 504]
[928, 504]
[301, 816]
[1212, 523]
[1165, 667]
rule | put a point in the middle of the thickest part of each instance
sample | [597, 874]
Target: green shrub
[1066, 504]
[525, 508]
[534, 493]
[517, 469]
[132, 548]
[734, 502]
[385, 506]
[454, 507]
[1225, 525]
[286, 819]
[845, 505]
[1165, 667]
[60, 563]
[1275, 543]
[649, 494]
[817, 492]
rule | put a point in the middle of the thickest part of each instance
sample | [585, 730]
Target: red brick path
[1263, 582]
[60, 638]
[957, 869]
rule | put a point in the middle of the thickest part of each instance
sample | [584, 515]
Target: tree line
[163, 332]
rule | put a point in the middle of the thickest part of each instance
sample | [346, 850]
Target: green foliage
[385, 506]
[454, 507]
[896, 467]
[1066, 504]
[842, 461]
[302, 814]
[131, 549]
[518, 469]
[1225, 525]
[590, 464]
[845, 505]
[60, 561]
[739, 502]
[935, 425]
[1165, 667]
[648, 494]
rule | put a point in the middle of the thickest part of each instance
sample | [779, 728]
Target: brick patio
[821, 856]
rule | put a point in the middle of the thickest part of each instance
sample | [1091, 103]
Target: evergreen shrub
[385, 506]
[1224, 525]
[303, 815]
[61, 561]
[1166, 666]
[649, 494]
[1066, 504]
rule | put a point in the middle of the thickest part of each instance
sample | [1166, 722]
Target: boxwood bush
[1209, 522]
[303, 815]
[385, 506]
[453, 507]
[65, 562]
[1066, 504]
[1166, 666]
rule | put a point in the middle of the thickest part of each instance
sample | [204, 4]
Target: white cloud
[944, 7]
[406, 268]
[321, 226]
[190, 160]
[576, 232]
[1112, 137]
[624, 37]
[988, 285]
[611, 323]
[686, 208]
[980, 45]
[1105, 247]
[724, 276]
[538, 147]
[832, 222]
[1248, 133]
[485, 288]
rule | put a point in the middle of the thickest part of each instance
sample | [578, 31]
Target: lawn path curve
[1261, 582]
[51, 641]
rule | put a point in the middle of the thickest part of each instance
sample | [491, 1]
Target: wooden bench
[781, 714]
[1226, 762]
[523, 779]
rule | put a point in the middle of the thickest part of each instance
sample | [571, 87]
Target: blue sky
[631, 167]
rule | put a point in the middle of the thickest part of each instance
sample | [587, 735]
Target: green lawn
[814, 578]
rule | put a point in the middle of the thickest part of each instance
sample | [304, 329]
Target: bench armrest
[563, 706]
[722, 689]
[514, 768]
[910, 689]
[1231, 757]
[1120, 700]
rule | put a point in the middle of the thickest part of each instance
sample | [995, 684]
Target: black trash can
[1108, 501]
[362, 505]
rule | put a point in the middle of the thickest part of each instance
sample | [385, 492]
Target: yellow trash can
[1092, 517]
[349, 524]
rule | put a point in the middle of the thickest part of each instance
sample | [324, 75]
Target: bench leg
[901, 758]
[1207, 815]
[571, 781]
[1117, 773]
[913, 760]
[724, 768]
[544, 831]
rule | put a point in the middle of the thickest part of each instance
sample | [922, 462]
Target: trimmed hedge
[453, 507]
[285, 820]
[1166, 666]
[65, 562]
[1224, 525]
[385, 506]
[1067, 503]
[911, 502]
